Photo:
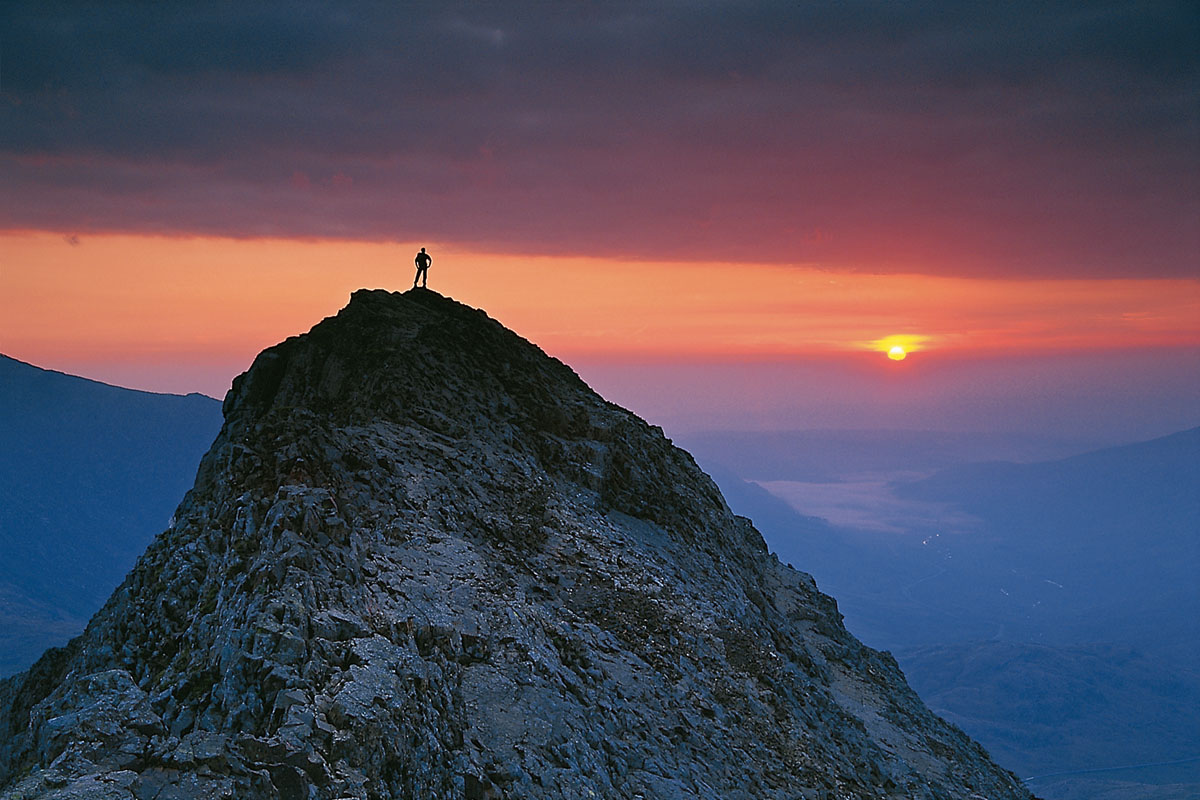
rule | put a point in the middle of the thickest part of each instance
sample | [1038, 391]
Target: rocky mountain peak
[423, 559]
[423, 361]
[390, 356]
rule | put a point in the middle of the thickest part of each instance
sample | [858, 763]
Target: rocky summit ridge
[423, 559]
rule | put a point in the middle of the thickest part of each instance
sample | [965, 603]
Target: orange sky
[143, 299]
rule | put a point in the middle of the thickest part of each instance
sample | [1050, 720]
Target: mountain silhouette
[423, 559]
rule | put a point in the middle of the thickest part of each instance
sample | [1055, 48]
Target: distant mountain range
[89, 474]
[832, 455]
[1100, 546]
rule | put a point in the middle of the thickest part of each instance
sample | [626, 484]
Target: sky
[722, 214]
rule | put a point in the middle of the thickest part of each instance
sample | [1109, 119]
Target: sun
[898, 346]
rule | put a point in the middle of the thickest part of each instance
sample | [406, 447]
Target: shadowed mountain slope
[89, 474]
[423, 559]
[1053, 709]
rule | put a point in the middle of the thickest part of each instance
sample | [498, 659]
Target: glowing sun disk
[898, 346]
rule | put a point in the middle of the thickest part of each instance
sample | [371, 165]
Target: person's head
[422, 249]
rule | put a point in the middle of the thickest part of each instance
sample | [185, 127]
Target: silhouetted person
[423, 261]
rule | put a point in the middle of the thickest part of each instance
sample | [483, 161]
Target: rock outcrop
[424, 560]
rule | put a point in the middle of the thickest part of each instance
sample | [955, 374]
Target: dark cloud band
[1019, 138]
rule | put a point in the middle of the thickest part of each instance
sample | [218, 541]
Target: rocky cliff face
[424, 560]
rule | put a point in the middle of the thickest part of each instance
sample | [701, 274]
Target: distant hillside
[89, 474]
[1102, 546]
[1048, 710]
[1110, 490]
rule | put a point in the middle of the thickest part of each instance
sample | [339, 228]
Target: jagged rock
[424, 560]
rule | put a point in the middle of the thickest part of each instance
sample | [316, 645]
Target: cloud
[1024, 138]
